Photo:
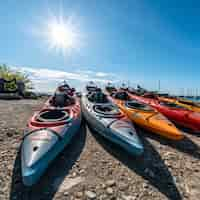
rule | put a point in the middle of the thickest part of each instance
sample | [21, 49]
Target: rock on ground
[92, 168]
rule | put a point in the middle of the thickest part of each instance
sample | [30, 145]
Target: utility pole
[196, 93]
[128, 84]
[158, 85]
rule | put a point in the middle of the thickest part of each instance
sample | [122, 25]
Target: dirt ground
[93, 168]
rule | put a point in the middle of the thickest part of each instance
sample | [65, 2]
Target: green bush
[8, 74]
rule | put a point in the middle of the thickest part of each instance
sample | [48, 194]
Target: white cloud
[46, 80]
[96, 74]
[102, 74]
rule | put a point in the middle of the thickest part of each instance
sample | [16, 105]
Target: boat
[177, 113]
[145, 116]
[124, 87]
[48, 132]
[138, 90]
[110, 88]
[191, 105]
[91, 86]
[132, 90]
[106, 119]
[64, 87]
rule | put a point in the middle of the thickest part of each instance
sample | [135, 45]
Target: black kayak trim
[109, 125]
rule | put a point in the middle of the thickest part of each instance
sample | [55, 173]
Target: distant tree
[8, 74]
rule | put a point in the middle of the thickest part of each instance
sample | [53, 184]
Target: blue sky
[138, 40]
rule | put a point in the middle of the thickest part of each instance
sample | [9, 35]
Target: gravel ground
[92, 168]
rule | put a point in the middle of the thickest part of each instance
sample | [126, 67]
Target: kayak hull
[165, 129]
[119, 131]
[172, 135]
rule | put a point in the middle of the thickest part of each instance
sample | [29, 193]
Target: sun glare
[61, 35]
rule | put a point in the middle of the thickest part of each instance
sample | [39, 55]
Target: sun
[61, 35]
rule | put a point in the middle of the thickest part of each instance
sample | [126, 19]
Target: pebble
[74, 174]
[10, 167]
[169, 155]
[103, 197]
[103, 185]
[9, 134]
[145, 185]
[66, 193]
[3, 152]
[81, 171]
[90, 194]
[124, 197]
[79, 194]
[123, 186]
[109, 190]
[110, 183]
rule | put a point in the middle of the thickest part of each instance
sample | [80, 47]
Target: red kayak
[47, 133]
[176, 113]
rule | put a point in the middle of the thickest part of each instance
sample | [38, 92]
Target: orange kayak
[147, 117]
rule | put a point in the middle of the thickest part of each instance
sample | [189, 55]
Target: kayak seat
[61, 99]
[139, 106]
[98, 97]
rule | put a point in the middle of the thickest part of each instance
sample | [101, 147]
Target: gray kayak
[107, 120]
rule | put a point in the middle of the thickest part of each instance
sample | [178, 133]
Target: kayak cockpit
[97, 97]
[172, 105]
[52, 116]
[107, 110]
[139, 106]
[102, 105]
[110, 88]
[122, 95]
